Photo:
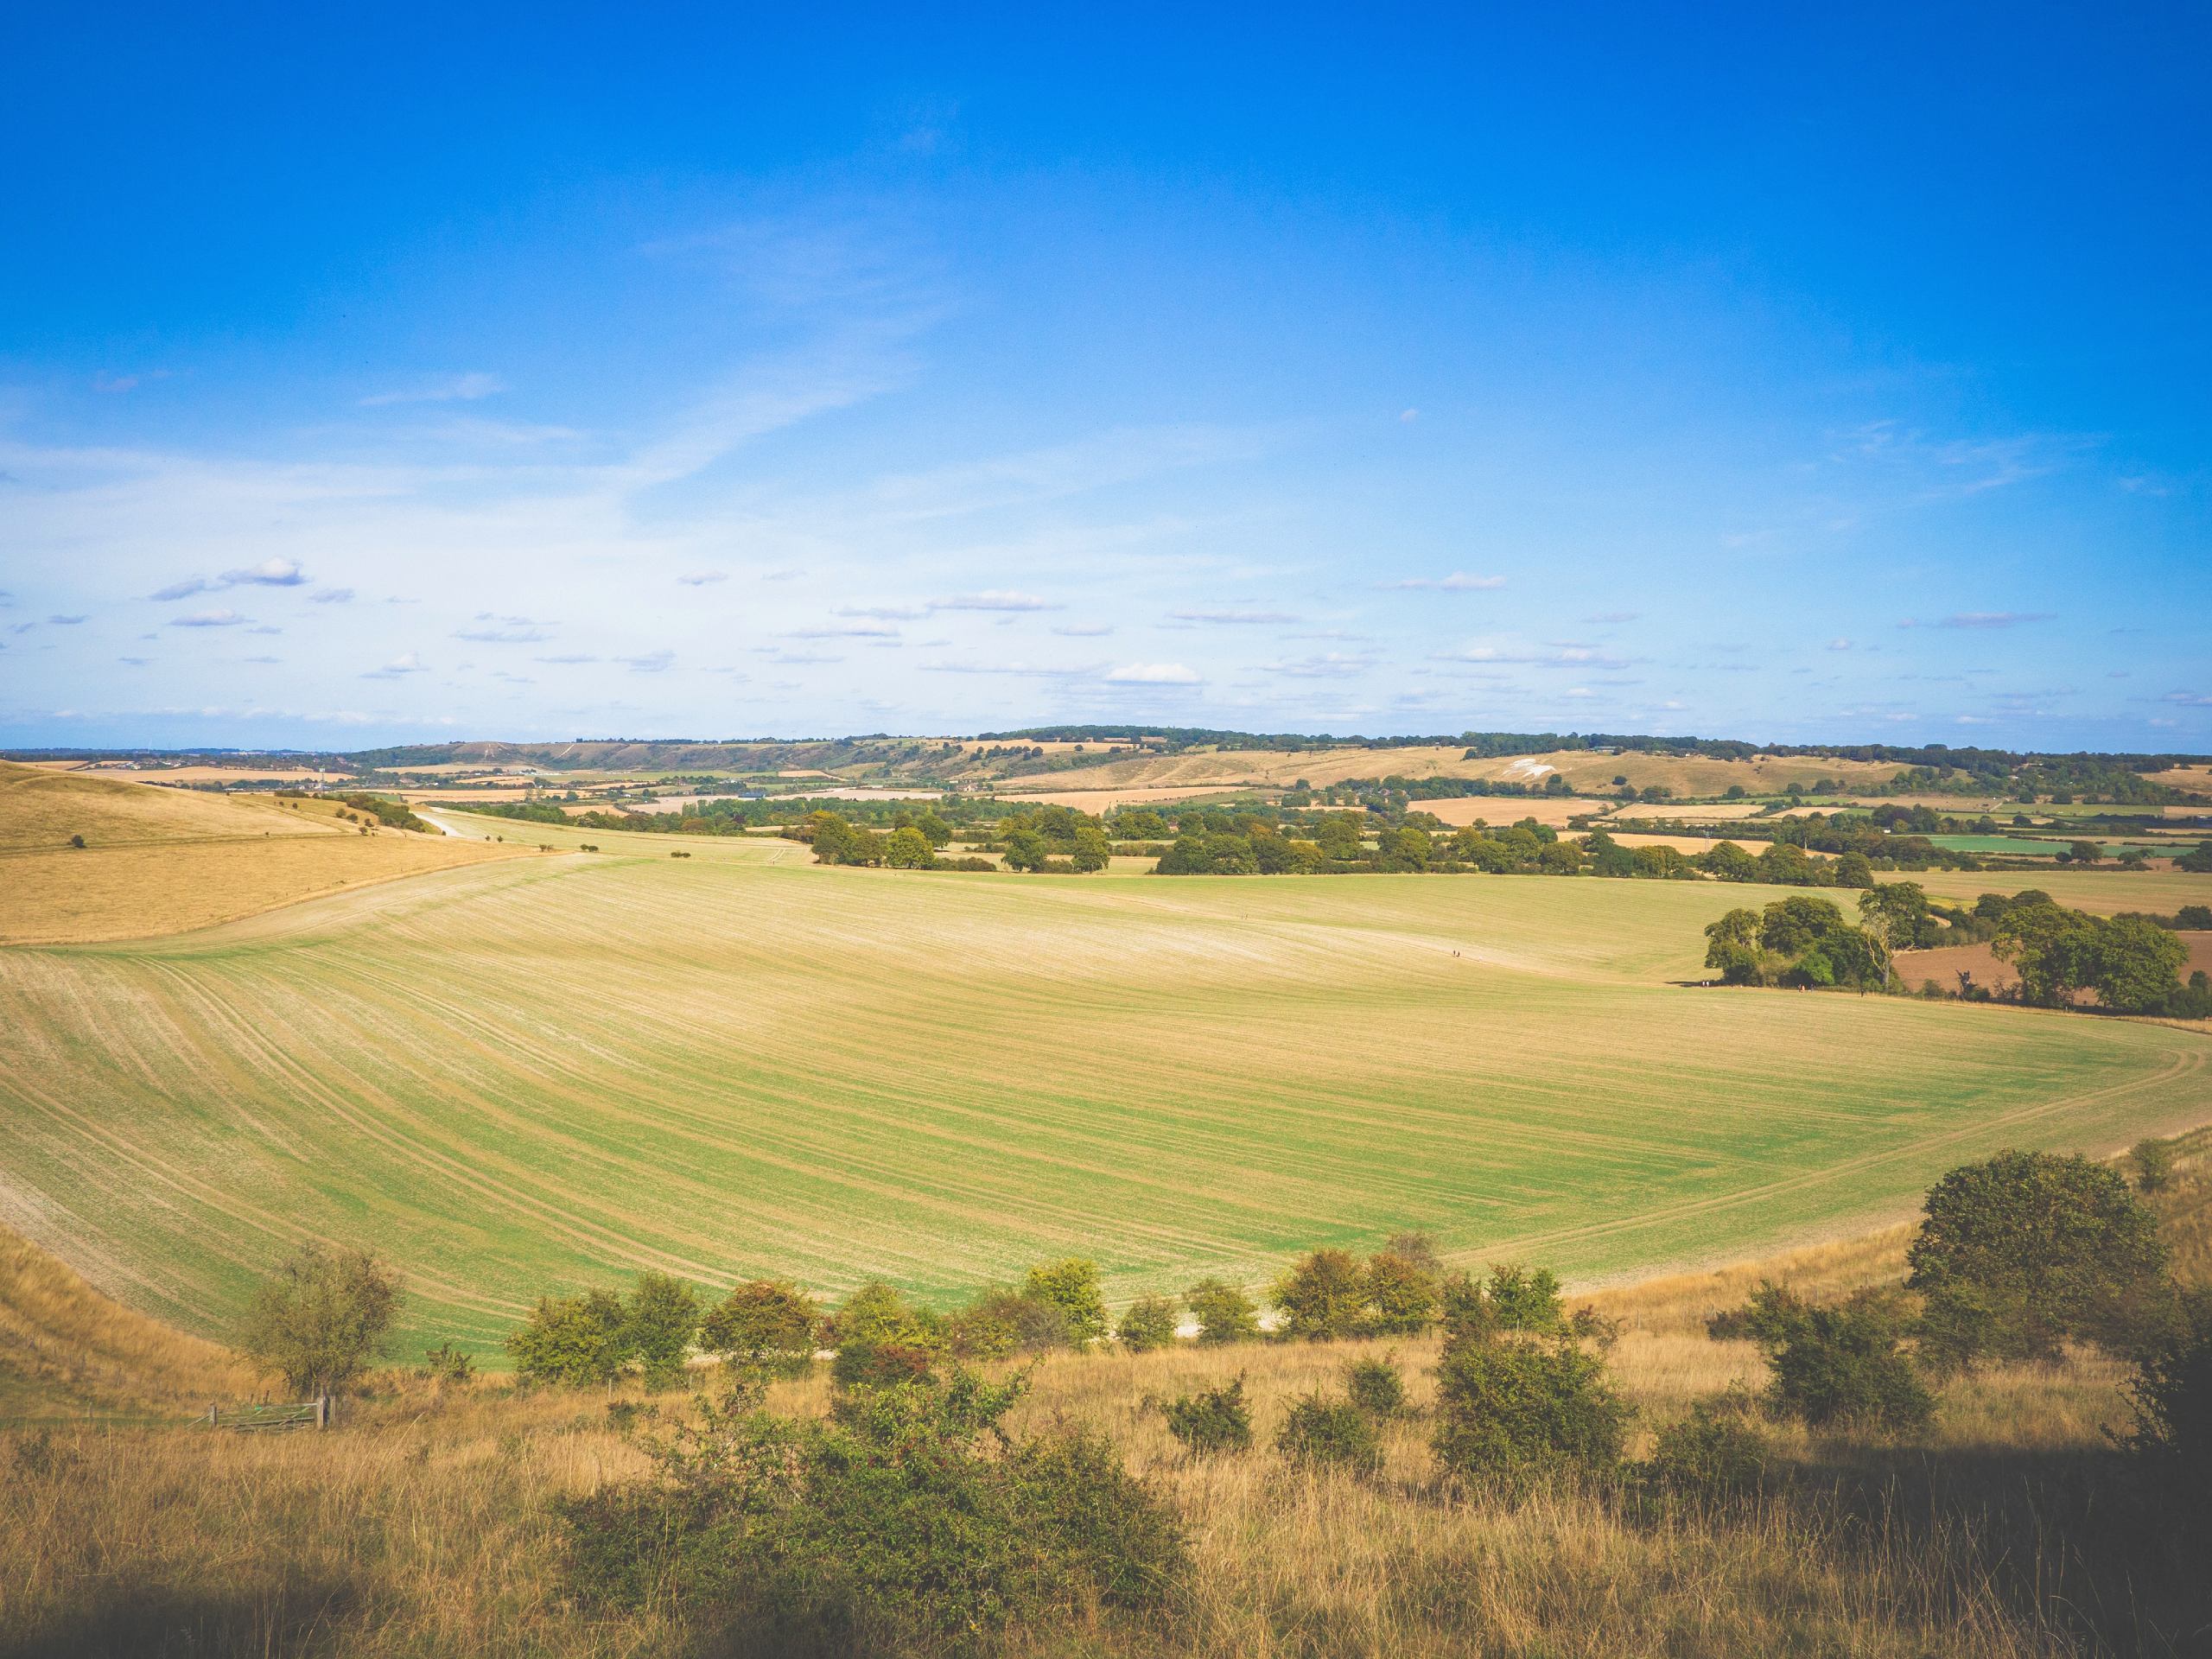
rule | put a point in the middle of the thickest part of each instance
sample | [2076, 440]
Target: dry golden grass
[160, 861]
[421, 1526]
[2102, 892]
[65, 1349]
[1585, 772]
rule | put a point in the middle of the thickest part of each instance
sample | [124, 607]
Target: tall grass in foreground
[422, 1525]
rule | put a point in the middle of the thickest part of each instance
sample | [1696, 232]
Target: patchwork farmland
[537, 1073]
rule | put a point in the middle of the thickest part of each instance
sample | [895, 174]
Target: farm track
[531, 1074]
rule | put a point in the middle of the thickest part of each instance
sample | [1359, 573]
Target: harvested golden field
[542, 1072]
[1499, 809]
[2102, 892]
[1945, 963]
[163, 861]
[1585, 771]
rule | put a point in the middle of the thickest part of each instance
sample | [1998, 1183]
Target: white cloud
[1458, 583]
[1232, 619]
[1154, 674]
[208, 620]
[487, 629]
[65, 621]
[270, 573]
[1086, 630]
[407, 664]
[441, 389]
[702, 578]
[334, 596]
[994, 599]
[651, 662]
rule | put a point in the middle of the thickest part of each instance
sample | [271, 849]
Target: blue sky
[714, 372]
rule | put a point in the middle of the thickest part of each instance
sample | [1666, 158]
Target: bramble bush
[1225, 1313]
[910, 1522]
[1838, 1365]
[1321, 1433]
[1149, 1324]
[1213, 1420]
[1377, 1387]
[1718, 1449]
[1515, 1405]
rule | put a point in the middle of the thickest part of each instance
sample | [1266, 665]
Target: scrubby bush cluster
[912, 1521]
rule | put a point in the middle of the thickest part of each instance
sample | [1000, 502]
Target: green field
[530, 1075]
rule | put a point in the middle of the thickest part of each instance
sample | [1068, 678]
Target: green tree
[2053, 950]
[1091, 850]
[2020, 1252]
[1897, 913]
[572, 1341]
[1731, 863]
[766, 1325]
[1225, 1313]
[1072, 1287]
[881, 1341]
[658, 1322]
[2137, 965]
[1149, 1324]
[1025, 851]
[1324, 1297]
[907, 849]
[320, 1317]
[1733, 947]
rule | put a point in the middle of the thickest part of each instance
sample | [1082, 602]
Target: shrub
[881, 1342]
[1839, 1365]
[2172, 1393]
[1716, 1449]
[1324, 1297]
[1213, 1420]
[1225, 1313]
[1149, 1324]
[571, 1341]
[1525, 1298]
[320, 1317]
[1002, 1322]
[763, 1325]
[1402, 1293]
[1072, 1287]
[2017, 1253]
[2154, 1166]
[1321, 1432]
[658, 1322]
[1513, 1406]
[885, 1528]
[447, 1364]
[1377, 1387]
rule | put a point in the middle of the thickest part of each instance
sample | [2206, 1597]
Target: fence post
[323, 1411]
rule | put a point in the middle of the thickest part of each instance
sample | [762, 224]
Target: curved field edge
[541, 1073]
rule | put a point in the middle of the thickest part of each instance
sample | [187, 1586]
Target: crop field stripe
[526, 1075]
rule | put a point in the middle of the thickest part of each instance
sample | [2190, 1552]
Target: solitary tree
[1071, 1286]
[2017, 1253]
[1225, 1313]
[320, 1317]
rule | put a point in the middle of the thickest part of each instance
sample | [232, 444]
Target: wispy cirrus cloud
[1232, 619]
[996, 599]
[1154, 674]
[490, 630]
[208, 620]
[1458, 583]
[439, 389]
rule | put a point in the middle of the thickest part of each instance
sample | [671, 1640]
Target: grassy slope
[423, 1522]
[164, 860]
[537, 1073]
